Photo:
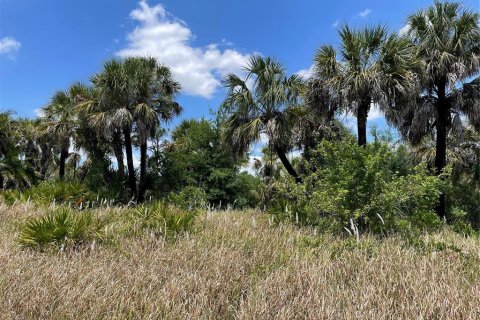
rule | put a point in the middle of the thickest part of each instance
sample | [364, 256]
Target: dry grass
[235, 265]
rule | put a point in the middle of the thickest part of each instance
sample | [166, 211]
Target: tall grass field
[141, 263]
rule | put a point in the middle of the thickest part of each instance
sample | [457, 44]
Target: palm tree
[264, 102]
[374, 68]
[154, 89]
[134, 94]
[60, 119]
[13, 171]
[111, 114]
[448, 38]
[317, 120]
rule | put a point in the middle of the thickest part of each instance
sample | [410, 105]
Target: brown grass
[237, 266]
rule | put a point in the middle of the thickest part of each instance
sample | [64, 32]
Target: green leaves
[162, 220]
[258, 103]
[61, 228]
[367, 186]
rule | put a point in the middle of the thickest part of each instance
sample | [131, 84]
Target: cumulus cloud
[306, 73]
[364, 13]
[168, 38]
[9, 45]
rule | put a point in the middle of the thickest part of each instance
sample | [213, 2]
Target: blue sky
[46, 45]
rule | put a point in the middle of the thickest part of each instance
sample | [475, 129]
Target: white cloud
[364, 13]
[167, 38]
[403, 31]
[336, 23]
[9, 45]
[306, 73]
[39, 112]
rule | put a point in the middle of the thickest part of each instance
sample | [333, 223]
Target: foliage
[196, 162]
[269, 106]
[372, 66]
[362, 188]
[55, 192]
[61, 228]
[425, 82]
[15, 172]
[463, 199]
[189, 198]
[162, 219]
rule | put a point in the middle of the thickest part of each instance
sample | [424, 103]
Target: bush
[463, 196]
[46, 193]
[61, 228]
[189, 198]
[362, 188]
[162, 220]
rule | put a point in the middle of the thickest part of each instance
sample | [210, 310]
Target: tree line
[425, 81]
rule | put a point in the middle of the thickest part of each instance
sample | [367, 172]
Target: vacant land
[237, 265]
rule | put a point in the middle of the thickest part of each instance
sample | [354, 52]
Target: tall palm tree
[60, 119]
[111, 114]
[154, 89]
[134, 95]
[374, 68]
[448, 38]
[264, 102]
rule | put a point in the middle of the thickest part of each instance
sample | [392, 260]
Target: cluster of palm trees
[423, 81]
[122, 108]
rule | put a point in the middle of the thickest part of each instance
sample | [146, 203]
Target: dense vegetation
[81, 152]
[107, 211]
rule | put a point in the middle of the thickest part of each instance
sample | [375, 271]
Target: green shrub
[61, 228]
[463, 198]
[362, 188]
[162, 219]
[57, 192]
[189, 198]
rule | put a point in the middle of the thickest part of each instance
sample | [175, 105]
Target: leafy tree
[264, 102]
[196, 158]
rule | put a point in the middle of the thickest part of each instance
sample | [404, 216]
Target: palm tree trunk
[362, 115]
[63, 159]
[117, 150]
[45, 149]
[283, 158]
[441, 142]
[143, 172]
[131, 169]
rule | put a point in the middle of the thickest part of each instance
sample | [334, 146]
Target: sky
[46, 45]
